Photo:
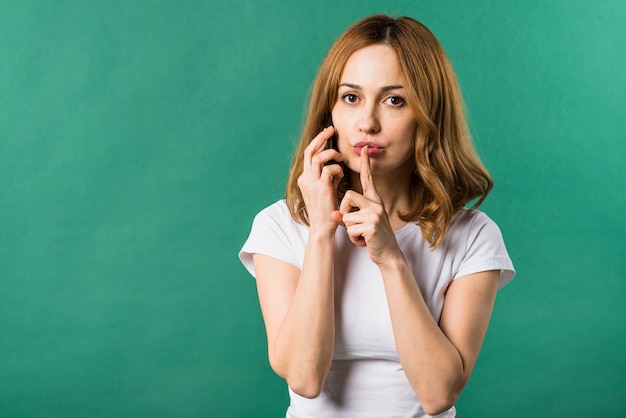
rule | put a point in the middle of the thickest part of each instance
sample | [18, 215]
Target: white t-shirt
[366, 378]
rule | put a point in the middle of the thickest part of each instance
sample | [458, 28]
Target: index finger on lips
[367, 182]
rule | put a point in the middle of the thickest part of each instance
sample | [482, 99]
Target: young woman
[375, 282]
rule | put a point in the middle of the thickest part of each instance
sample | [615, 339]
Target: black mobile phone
[332, 142]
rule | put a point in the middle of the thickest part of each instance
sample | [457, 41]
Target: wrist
[393, 263]
[319, 232]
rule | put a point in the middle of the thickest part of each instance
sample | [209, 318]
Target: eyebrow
[383, 89]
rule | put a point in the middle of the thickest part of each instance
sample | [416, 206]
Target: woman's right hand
[318, 182]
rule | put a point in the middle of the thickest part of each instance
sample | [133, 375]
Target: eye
[396, 101]
[350, 98]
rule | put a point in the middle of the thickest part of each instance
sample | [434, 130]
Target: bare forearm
[432, 364]
[304, 345]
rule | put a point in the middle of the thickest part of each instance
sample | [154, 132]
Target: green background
[139, 138]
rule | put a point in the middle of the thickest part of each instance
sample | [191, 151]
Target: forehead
[374, 65]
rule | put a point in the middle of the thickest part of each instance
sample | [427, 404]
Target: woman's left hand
[368, 225]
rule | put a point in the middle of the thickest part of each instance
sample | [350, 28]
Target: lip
[373, 148]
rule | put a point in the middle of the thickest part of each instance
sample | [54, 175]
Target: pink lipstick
[373, 148]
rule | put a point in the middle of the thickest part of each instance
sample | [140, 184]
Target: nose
[368, 119]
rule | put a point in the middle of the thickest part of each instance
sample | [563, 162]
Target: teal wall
[138, 139]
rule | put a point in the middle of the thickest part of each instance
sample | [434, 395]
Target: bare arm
[437, 358]
[298, 311]
[298, 305]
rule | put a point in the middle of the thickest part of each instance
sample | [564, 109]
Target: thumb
[337, 217]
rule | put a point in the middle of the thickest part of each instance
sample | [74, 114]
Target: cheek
[408, 133]
[343, 144]
[342, 133]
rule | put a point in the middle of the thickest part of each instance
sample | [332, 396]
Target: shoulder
[473, 223]
[277, 214]
[471, 217]
[275, 210]
[480, 245]
[276, 234]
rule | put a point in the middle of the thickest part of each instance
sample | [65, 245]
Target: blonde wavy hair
[448, 173]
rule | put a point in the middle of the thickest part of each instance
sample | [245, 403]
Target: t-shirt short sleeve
[274, 233]
[485, 250]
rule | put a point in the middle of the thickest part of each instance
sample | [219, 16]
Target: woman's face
[371, 109]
